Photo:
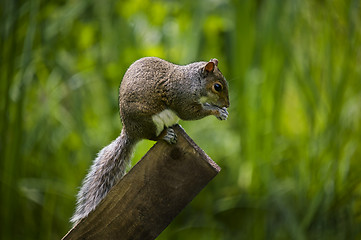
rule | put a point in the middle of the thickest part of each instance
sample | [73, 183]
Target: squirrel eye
[217, 87]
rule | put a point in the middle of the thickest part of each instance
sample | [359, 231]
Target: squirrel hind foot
[170, 136]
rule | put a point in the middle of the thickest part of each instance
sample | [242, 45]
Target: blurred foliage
[290, 151]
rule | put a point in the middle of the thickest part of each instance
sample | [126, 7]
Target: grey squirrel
[153, 95]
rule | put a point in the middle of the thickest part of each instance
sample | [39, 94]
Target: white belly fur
[166, 118]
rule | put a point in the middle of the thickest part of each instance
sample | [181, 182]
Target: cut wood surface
[143, 203]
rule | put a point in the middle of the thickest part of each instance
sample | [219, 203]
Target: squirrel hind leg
[168, 135]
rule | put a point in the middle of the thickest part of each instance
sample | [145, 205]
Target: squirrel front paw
[170, 136]
[222, 114]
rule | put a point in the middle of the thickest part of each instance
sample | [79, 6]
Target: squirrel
[153, 95]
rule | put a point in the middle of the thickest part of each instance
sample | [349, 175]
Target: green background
[290, 150]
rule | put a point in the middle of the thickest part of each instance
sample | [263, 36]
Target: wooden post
[143, 203]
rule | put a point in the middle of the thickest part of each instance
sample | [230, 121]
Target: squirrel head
[216, 86]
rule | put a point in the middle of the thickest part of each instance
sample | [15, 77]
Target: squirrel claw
[170, 136]
[223, 114]
[220, 113]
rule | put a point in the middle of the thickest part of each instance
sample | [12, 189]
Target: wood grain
[143, 203]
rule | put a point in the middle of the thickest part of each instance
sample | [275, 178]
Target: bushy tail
[107, 169]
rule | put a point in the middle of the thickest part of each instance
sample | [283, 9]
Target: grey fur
[106, 170]
[150, 86]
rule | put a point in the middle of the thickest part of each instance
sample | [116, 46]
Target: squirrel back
[153, 95]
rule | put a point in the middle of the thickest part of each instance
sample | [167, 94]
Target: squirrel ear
[214, 60]
[209, 66]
